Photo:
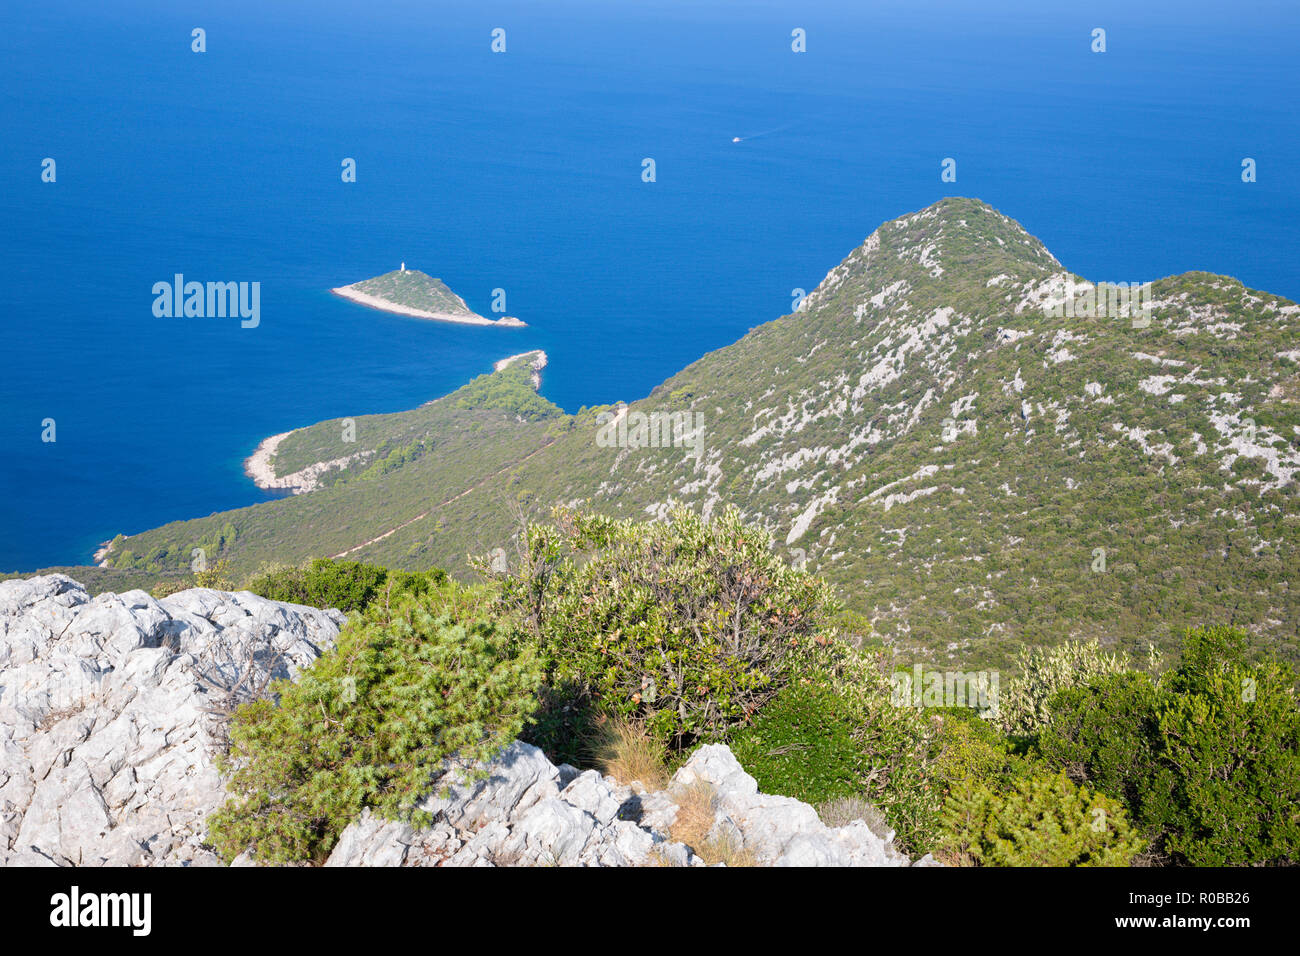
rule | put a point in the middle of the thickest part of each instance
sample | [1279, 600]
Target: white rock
[779, 831]
[106, 740]
[593, 793]
[552, 833]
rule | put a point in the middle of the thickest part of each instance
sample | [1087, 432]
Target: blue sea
[522, 171]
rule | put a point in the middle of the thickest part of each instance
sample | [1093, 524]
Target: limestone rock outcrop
[112, 709]
[520, 809]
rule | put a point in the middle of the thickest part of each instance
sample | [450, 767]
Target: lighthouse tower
[403, 266]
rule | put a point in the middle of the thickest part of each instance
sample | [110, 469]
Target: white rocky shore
[112, 710]
[536, 360]
[468, 317]
[258, 467]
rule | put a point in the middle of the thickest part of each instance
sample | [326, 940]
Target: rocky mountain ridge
[952, 428]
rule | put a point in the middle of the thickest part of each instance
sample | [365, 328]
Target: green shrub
[801, 745]
[836, 733]
[688, 625]
[1207, 760]
[1042, 820]
[509, 390]
[216, 577]
[1022, 706]
[346, 585]
[167, 588]
[369, 725]
[972, 750]
[566, 724]
[1106, 735]
[1230, 745]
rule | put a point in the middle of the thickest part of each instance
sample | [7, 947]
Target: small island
[414, 293]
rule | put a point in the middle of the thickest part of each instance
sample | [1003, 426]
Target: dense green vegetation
[1041, 673]
[508, 390]
[1043, 820]
[346, 585]
[687, 625]
[969, 472]
[836, 734]
[1206, 758]
[682, 632]
[369, 725]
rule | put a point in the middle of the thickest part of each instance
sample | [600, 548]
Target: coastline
[257, 466]
[538, 363]
[383, 305]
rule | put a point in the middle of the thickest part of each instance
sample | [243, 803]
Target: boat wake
[766, 132]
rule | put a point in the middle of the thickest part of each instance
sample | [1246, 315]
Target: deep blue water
[522, 171]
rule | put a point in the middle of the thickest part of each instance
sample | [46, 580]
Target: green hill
[971, 471]
[415, 290]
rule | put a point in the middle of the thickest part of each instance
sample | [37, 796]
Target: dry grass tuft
[624, 751]
[843, 811]
[697, 807]
[726, 850]
[696, 810]
[57, 714]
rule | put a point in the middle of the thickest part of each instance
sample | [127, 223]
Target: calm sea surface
[522, 171]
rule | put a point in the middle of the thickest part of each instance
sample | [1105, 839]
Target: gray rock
[655, 811]
[593, 793]
[778, 831]
[552, 833]
[715, 764]
[568, 773]
[517, 779]
[371, 841]
[511, 812]
[107, 730]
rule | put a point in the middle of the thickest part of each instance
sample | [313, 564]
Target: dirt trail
[443, 504]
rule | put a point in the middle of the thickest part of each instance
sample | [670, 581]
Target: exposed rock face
[107, 725]
[260, 467]
[112, 711]
[526, 811]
